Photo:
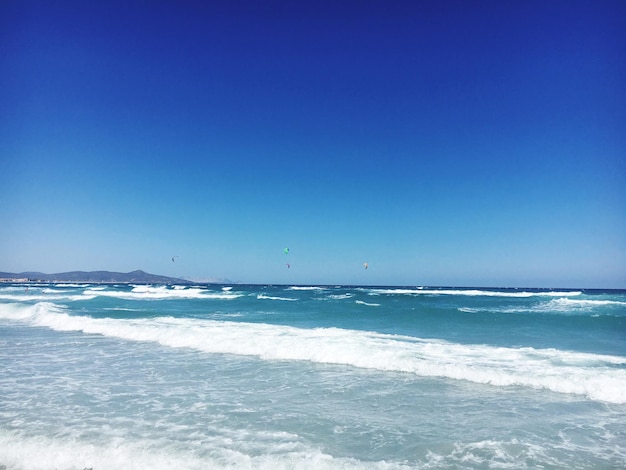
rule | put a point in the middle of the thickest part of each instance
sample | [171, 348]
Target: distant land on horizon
[100, 277]
[142, 277]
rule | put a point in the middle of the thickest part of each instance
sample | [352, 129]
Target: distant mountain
[105, 277]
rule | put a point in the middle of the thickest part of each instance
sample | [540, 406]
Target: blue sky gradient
[444, 143]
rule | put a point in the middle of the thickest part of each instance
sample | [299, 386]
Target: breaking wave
[595, 376]
[473, 292]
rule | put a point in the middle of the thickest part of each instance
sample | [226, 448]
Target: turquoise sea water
[315, 377]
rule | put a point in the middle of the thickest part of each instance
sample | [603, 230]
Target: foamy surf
[473, 292]
[111, 452]
[270, 297]
[133, 376]
[560, 306]
[164, 293]
[595, 376]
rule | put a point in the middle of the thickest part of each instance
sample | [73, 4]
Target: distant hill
[103, 277]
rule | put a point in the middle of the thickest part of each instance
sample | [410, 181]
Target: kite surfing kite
[286, 251]
[173, 258]
[365, 265]
[288, 265]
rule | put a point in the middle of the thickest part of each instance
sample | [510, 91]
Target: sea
[310, 377]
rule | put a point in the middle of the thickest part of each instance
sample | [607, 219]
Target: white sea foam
[492, 453]
[114, 451]
[472, 292]
[44, 295]
[360, 302]
[569, 304]
[305, 288]
[12, 288]
[468, 310]
[268, 297]
[122, 309]
[74, 285]
[598, 377]
[142, 292]
[563, 305]
[340, 296]
[49, 290]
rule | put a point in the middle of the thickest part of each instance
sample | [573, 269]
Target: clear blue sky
[444, 143]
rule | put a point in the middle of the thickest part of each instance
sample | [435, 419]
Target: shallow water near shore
[206, 376]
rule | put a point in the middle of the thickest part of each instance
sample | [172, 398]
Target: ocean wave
[468, 310]
[74, 285]
[472, 292]
[269, 297]
[248, 451]
[340, 296]
[138, 292]
[586, 304]
[44, 296]
[315, 288]
[360, 302]
[598, 377]
[48, 290]
[12, 288]
[561, 306]
[495, 453]
[122, 309]
[142, 292]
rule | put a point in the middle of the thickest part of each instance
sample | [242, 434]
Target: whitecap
[595, 376]
[472, 292]
[340, 296]
[316, 288]
[143, 292]
[268, 297]
[115, 450]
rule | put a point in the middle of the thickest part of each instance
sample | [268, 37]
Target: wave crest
[598, 377]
